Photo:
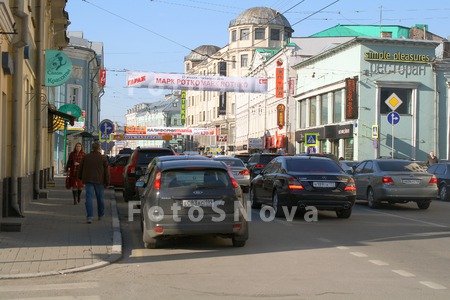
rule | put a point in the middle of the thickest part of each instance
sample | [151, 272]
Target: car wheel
[424, 204]
[344, 213]
[253, 198]
[373, 203]
[238, 243]
[443, 194]
[276, 205]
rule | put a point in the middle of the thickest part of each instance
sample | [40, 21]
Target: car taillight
[233, 181]
[244, 172]
[433, 180]
[294, 184]
[387, 180]
[350, 186]
[259, 166]
[157, 183]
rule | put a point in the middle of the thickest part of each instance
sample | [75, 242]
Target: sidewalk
[55, 238]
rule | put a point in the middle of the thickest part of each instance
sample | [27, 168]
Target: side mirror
[140, 183]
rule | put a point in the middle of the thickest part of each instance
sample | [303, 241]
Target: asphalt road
[395, 252]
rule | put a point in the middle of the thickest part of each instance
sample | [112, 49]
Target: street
[395, 252]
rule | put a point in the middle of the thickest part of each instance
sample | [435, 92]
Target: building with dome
[256, 30]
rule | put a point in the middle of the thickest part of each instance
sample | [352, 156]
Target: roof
[261, 16]
[364, 30]
[202, 52]
[192, 163]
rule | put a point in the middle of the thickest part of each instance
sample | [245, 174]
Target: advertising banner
[172, 81]
[180, 131]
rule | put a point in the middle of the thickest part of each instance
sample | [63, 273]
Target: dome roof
[261, 16]
[201, 52]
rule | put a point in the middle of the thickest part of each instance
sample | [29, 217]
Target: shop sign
[281, 108]
[351, 101]
[397, 57]
[279, 83]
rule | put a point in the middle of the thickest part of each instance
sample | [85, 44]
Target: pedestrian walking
[431, 159]
[94, 172]
[71, 169]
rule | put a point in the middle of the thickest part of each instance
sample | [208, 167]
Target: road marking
[409, 219]
[342, 248]
[433, 285]
[49, 287]
[379, 262]
[358, 254]
[404, 273]
[63, 298]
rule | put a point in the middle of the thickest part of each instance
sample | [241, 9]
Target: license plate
[324, 184]
[411, 181]
[198, 202]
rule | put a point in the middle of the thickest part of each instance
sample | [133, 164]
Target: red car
[116, 170]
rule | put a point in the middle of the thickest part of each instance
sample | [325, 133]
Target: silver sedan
[394, 181]
[238, 169]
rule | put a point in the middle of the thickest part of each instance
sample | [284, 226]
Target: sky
[156, 35]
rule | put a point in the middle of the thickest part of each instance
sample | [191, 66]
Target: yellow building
[28, 28]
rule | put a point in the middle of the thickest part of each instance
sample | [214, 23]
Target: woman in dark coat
[73, 162]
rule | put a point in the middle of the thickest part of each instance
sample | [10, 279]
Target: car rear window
[265, 159]
[146, 156]
[401, 166]
[213, 178]
[244, 158]
[232, 162]
[313, 166]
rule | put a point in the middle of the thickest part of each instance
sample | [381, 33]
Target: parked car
[348, 165]
[304, 181]
[192, 197]
[116, 168]
[243, 156]
[442, 172]
[239, 171]
[136, 166]
[394, 181]
[258, 161]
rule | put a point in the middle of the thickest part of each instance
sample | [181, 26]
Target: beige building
[256, 29]
[28, 28]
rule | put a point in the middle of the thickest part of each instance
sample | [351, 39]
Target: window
[233, 36]
[260, 33]
[312, 112]
[303, 114]
[404, 95]
[233, 63]
[245, 34]
[244, 60]
[275, 34]
[337, 106]
[324, 109]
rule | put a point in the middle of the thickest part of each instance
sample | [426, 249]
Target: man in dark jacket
[94, 172]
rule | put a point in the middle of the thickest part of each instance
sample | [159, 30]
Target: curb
[116, 252]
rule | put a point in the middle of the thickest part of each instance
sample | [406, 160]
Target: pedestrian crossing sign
[311, 139]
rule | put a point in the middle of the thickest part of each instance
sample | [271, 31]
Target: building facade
[29, 28]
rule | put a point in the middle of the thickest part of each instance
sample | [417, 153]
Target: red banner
[281, 115]
[102, 77]
[279, 83]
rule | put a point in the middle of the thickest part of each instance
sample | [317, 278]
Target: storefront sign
[281, 115]
[183, 107]
[397, 57]
[102, 77]
[58, 68]
[351, 100]
[279, 83]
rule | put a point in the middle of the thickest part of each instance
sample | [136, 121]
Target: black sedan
[302, 181]
[442, 173]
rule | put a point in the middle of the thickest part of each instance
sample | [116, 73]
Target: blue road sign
[393, 118]
[106, 127]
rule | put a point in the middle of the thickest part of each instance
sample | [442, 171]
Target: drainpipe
[17, 92]
[37, 96]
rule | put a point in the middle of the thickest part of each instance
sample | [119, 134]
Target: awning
[66, 117]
